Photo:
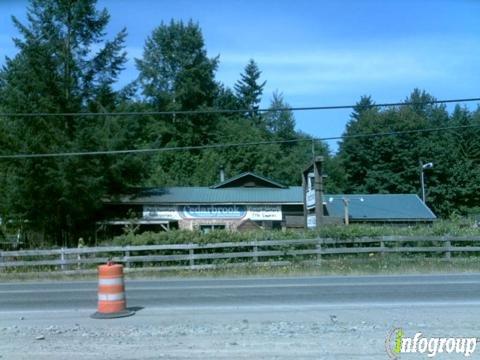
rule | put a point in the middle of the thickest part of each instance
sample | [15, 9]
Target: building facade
[245, 201]
[249, 201]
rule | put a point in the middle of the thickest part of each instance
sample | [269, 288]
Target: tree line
[391, 164]
[65, 64]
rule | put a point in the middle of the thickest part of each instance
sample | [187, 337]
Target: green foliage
[175, 72]
[171, 55]
[454, 227]
[65, 64]
[248, 89]
[281, 124]
[61, 73]
[197, 237]
[390, 164]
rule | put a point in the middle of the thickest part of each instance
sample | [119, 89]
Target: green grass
[375, 265]
[329, 267]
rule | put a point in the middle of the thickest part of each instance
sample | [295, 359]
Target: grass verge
[378, 265]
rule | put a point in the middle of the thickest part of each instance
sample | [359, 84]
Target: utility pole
[346, 202]
[422, 181]
[422, 176]
[305, 205]
[318, 173]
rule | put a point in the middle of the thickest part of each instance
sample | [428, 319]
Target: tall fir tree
[176, 74]
[249, 89]
[63, 65]
[366, 103]
[280, 122]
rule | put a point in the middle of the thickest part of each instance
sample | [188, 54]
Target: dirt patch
[297, 332]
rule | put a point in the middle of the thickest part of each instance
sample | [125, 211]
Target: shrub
[453, 227]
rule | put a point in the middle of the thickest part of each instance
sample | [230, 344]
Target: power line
[226, 145]
[147, 150]
[402, 132]
[233, 111]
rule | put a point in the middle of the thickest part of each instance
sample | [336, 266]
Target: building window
[207, 228]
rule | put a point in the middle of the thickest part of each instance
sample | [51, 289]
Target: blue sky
[316, 52]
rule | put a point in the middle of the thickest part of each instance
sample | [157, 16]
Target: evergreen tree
[385, 163]
[390, 163]
[454, 183]
[226, 100]
[355, 153]
[248, 89]
[421, 102]
[366, 103]
[57, 70]
[280, 122]
[176, 74]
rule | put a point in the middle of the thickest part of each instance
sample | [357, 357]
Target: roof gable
[249, 180]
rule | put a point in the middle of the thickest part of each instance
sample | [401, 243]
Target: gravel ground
[297, 332]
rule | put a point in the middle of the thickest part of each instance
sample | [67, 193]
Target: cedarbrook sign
[237, 212]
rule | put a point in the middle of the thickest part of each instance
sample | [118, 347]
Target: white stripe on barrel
[113, 281]
[111, 297]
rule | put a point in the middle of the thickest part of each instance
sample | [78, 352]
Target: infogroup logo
[397, 343]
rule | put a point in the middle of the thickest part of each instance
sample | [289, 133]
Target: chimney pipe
[222, 174]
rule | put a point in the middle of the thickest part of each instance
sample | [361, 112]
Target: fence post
[255, 252]
[79, 260]
[319, 250]
[448, 244]
[126, 256]
[382, 248]
[62, 259]
[191, 254]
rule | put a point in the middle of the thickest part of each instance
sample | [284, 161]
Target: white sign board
[253, 212]
[311, 221]
[213, 211]
[161, 212]
[310, 199]
[258, 213]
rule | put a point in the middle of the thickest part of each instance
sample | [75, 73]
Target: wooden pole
[318, 172]
[345, 205]
[305, 209]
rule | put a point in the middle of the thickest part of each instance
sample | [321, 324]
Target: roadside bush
[455, 227]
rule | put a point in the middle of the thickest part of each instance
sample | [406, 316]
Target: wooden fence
[10, 241]
[212, 255]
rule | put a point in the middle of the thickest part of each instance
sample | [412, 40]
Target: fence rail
[198, 256]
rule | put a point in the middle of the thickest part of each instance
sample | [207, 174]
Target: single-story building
[250, 201]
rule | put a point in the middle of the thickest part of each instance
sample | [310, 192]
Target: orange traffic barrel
[111, 293]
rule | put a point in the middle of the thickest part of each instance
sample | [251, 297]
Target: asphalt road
[326, 290]
[329, 317]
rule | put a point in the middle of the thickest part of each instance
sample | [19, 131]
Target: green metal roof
[379, 207]
[205, 195]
